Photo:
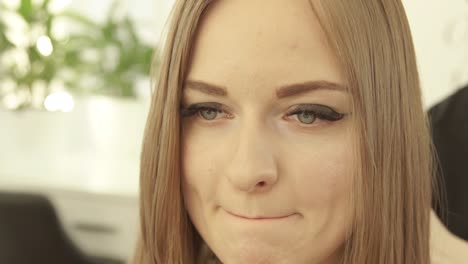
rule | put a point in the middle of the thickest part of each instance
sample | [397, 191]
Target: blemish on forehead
[293, 46]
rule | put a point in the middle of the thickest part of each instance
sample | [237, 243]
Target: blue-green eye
[309, 113]
[307, 117]
[208, 111]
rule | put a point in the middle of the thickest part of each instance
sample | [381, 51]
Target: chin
[254, 255]
[252, 259]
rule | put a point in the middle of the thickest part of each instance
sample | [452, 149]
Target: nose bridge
[252, 165]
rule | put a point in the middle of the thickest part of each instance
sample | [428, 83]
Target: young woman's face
[266, 158]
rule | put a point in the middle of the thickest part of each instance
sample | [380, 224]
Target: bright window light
[44, 46]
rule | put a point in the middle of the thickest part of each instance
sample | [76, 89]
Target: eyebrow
[281, 92]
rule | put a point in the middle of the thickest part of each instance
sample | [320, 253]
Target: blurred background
[74, 95]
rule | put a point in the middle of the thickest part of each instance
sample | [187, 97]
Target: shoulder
[446, 248]
[454, 105]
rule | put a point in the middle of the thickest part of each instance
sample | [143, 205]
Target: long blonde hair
[393, 176]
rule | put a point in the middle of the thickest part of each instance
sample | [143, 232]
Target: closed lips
[260, 217]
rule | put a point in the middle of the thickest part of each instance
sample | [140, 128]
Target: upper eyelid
[312, 107]
[191, 109]
[221, 106]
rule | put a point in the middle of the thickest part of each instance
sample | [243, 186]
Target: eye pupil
[209, 114]
[306, 117]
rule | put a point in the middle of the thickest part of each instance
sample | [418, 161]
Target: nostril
[262, 183]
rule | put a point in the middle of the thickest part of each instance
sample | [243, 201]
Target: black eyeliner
[194, 108]
[320, 111]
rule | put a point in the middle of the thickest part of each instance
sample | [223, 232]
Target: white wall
[440, 33]
[150, 15]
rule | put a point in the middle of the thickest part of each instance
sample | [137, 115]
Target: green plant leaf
[25, 9]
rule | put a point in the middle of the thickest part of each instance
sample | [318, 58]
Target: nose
[252, 167]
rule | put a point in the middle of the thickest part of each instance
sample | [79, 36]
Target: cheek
[200, 153]
[323, 176]
[197, 162]
[197, 171]
[194, 176]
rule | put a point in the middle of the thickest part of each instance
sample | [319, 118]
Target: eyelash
[321, 112]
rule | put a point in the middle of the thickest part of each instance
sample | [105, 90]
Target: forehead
[259, 43]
